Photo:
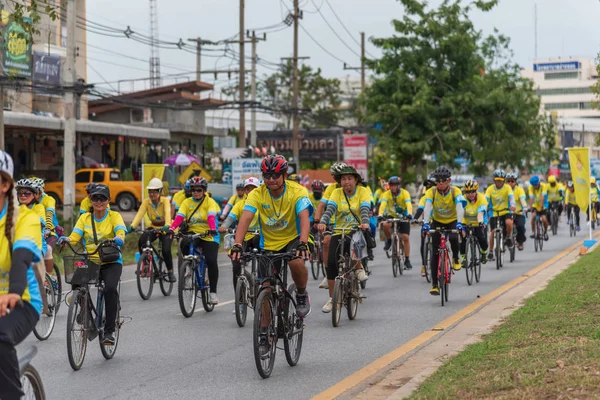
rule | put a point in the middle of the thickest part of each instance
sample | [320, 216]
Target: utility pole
[242, 133]
[69, 146]
[2, 145]
[362, 67]
[199, 43]
[254, 40]
[295, 122]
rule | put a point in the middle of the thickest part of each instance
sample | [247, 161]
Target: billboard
[556, 66]
[315, 145]
[16, 48]
[244, 168]
[355, 153]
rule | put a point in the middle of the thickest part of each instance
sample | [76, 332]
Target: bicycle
[554, 218]
[538, 240]
[85, 321]
[316, 257]
[275, 313]
[148, 272]
[572, 223]
[472, 256]
[397, 247]
[445, 270]
[499, 245]
[594, 218]
[45, 325]
[31, 381]
[427, 252]
[193, 279]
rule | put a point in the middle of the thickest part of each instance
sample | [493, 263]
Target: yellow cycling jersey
[347, 214]
[444, 206]
[28, 236]
[554, 192]
[422, 201]
[594, 195]
[50, 206]
[159, 215]
[539, 196]
[86, 205]
[327, 194]
[395, 206]
[473, 208]
[40, 211]
[108, 227]
[198, 221]
[278, 217]
[233, 200]
[520, 196]
[236, 214]
[571, 198]
[499, 199]
[178, 198]
[377, 196]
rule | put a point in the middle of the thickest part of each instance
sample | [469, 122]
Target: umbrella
[181, 159]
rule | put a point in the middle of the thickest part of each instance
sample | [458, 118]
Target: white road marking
[218, 305]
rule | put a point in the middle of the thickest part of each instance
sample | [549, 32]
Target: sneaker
[456, 265]
[109, 339]
[423, 271]
[362, 276]
[509, 243]
[302, 305]
[370, 254]
[407, 264]
[328, 306]
[214, 299]
[578, 228]
[324, 284]
[546, 237]
[388, 244]
[434, 291]
[520, 246]
[490, 257]
[532, 236]
[484, 257]
[171, 277]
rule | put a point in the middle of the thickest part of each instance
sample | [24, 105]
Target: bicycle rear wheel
[394, 257]
[187, 288]
[337, 302]
[166, 287]
[469, 267]
[145, 276]
[400, 255]
[58, 287]
[205, 293]
[264, 334]
[241, 303]
[108, 351]
[512, 251]
[447, 276]
[45, 325]
[294, 329]
[31, 383]
[441, 275]
[554, 222]
[77, 333]
[365, 264]
[476, 262]
[498, 248]
[428, 255]
[352, 297]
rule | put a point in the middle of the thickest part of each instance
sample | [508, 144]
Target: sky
[565, 28]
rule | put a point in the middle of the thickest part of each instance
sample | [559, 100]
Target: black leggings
[111, 274]
[253, 243]
[165, 242]
[335, 249]
[210, 251]
[480, 235]
[519, 225]
[575, 211]
[435, 241]
[14, 328]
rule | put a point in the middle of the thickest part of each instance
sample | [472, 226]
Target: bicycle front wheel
[77, 333]
[337, 302]
[447, 276]
[187, 288]
[442, 275]
[294, 329]
[145, 276]
[352, 297]
[469, 267]
[428, 255]
[31, 383]
[45, 325]
[108, 351]
[205, 293]
[264, 334]
[498, 248]
[241, 301]
[58, 287]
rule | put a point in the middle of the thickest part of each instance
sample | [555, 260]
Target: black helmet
[100, 189]
[90, 186]
[442, 173]
[240, 186]
[394, 180]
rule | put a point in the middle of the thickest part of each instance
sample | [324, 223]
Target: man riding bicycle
[396, 203]
[501, 202]
[444, 206]
[521, 202]
[571, 203]
[538, 204]
[594, 196]
[317, 187]
[556, 194]
[284, 212]
[427, 184]
[475, 218]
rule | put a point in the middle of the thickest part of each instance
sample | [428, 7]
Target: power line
[333, 30]
[346, 29]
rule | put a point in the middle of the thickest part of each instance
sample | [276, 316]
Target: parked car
[220, 192]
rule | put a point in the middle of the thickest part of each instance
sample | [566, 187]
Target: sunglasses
[511, 181]
[470, 191]
[100, 199]
[24, 193]
[272, 175]
[197, 190]
[441, 181]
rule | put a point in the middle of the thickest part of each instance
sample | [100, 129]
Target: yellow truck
[126, 195]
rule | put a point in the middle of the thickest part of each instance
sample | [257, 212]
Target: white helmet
[6, 163]
[252, 182]
[155, 184]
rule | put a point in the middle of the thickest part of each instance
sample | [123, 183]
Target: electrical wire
[334, 31]
[346, 29]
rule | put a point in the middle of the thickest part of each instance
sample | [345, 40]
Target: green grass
[549, 348]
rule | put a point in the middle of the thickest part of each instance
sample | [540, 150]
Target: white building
[564, 86]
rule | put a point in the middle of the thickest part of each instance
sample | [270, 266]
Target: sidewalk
[406, 373]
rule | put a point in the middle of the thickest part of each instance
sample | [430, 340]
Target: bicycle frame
[199, 262]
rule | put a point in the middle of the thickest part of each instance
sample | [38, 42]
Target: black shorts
[293, 244]
[538, 212]
[403, 228]
[494, 220]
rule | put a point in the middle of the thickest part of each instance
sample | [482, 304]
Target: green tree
[33, 9]
[441, 88]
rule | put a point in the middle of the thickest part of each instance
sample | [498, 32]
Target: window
[551, 92]
[98, 176]
[115, 176]
[569, 106]
[82, 177]
[560, 75]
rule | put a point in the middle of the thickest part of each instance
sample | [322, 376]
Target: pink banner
[355, 153]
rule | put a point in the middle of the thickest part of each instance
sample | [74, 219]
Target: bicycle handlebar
[104, 243]
[192, 235]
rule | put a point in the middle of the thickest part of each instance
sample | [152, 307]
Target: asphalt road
[162, 355]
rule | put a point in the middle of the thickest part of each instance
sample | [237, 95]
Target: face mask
[318, 195]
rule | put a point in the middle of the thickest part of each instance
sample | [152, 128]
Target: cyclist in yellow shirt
[595, 195]
[475, 218]
[521, 203]
[239, 196]
[428, 184]
[571, 203]
[318, 187]
[179, 197]
[538, 203]
[444, 206]
[556, 194]
[20, 247]
[284, 213]
[501, 203]
[396, 203]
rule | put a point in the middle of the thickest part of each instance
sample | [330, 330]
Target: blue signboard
[558, 66]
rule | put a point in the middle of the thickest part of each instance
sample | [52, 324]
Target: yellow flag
[150, 171]
[579, 161]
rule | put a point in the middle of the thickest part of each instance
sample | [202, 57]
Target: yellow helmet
[552, 179]
[592, 179]
[471, 185]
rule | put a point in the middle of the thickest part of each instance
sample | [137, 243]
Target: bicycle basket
[358, 246]
[80, 271]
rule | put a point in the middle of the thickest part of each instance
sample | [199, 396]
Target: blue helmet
[534, 180]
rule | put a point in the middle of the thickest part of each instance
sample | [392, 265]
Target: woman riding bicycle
[351, 205]
[199, 212]
[429, 183]
[571, 203]
[20, 247]
[157, 208]
[475, 218]
[107, 224]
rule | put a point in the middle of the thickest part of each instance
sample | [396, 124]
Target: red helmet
[274, 164]
[317, 186]
[197, 181]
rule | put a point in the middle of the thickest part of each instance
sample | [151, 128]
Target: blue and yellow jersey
[313, 201]
[571, 198]
[233, 200]
[278, 217]
[28, 236]
[539, 196]
[473, 208]
[158, 215]
[555, 193]
[108, 227]
[198, 221]
[499, 199]
[347, 212]
[50, 206]
[519, 195]
[444, 205]
[236, 214]
[394, 206]
[177, 199]
[377, 196]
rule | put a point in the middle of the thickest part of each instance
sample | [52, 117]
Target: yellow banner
[150, 171]
[194, 170]
[579, 162]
